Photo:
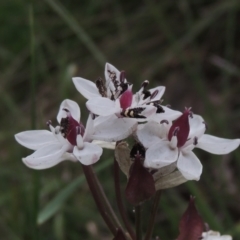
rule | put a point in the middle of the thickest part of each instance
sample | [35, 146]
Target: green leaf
[56, 203]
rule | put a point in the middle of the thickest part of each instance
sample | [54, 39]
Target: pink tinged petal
[191, 224]
[160, 155]
[46, 157]
[90, 153]
[102, 106]
[72, 107]
[115, 129]
[189, 165]
[35, 139]
[87, 88]
[126, 99]
[180, 128]
[149, 133]
[140, 186]
[157, 93]
[217, 145]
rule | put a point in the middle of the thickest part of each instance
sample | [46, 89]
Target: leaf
[56, 203]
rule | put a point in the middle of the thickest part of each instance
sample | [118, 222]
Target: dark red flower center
[180, 128]
[126, 99]
[70, 128]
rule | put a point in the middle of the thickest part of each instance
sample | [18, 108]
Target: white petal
[111, 68]
[189, 165]
[197, 126]
[168, 114]
[217, 145]
[90, 153]
[160, 155]
[73, 109]
[101, 119]
[103, 144]
[148, 111]
[35, 139]
[79, 141]
[101, 106]
[149, 133]
[115, 129]
[89, 129]
[46, 156]
[160, 89]
[87, 88]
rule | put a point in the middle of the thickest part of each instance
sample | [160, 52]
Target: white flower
[212, 235]
[112, 87]
[69, 141]
[167, 143]
[153, 97]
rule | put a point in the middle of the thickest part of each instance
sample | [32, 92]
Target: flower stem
[120, 202]
[153, 216]
[138, 220]
[101, 201]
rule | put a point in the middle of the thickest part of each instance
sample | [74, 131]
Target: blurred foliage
[189, 46]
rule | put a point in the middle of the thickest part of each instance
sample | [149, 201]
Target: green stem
[138, 222]
[153, 215]
[101, 201]
[120, 202]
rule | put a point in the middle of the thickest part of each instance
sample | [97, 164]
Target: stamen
[122, 76]
[145, 84]
[57, 130]
[206, 126]
[164, 121]
[49, 122]
[195, 141]
[66, 110]
[154, 94]
[175, 131]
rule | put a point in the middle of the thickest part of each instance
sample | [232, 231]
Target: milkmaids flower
[112, 87]
[68, 141]
[153, 97]
[167, 143]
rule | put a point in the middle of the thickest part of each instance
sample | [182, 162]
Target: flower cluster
[168, 137]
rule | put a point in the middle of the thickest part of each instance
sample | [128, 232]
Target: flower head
[67, 141]
[167, 143]
[111, 87]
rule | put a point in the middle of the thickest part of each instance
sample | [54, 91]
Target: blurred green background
[190, 46]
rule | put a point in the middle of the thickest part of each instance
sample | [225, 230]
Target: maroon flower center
[180, 128]
[126, 99]
[70, 128]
